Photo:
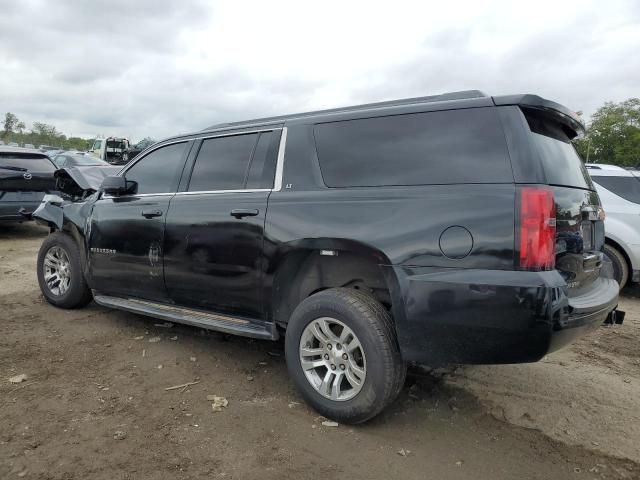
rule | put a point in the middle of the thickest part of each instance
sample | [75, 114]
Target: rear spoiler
[551, 109]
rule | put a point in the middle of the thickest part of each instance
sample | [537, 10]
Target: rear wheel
[60, 272]
[620, 265]
[343, 356]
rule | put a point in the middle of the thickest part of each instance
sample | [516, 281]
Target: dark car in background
[133, 151]
[25, 176]
[458, 228]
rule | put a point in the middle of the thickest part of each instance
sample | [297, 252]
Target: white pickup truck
[110, 149]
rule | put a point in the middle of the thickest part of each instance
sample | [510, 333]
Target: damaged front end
[78, 189]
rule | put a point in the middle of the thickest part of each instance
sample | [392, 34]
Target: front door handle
[244, 212]
[151, 213]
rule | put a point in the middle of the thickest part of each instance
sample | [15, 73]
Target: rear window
[561, 163]
[115, 144]
[444, 147]
[625, 187]
[31, 163]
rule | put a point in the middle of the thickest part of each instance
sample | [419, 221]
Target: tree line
[15, 130]
[613, 135]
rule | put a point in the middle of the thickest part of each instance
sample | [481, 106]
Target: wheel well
[304, 273]
[618, 247]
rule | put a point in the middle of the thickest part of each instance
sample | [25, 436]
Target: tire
[76, 294]
[377, 356]
[620, 265]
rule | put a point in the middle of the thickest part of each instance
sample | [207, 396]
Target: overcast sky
[156, 68]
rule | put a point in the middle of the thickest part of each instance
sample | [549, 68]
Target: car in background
[13, 144]
[1, 143]
[77, 159]
[46, 148]
[110, 149]
[54, 152]
[25, 176]
[28, 145]
[133, 151]
[619, 191]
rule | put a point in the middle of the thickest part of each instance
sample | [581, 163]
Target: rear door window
[222, 163]
[444, 147]
[263, 164]
[625, 187]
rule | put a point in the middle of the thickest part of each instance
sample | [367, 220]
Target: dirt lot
[94, 403]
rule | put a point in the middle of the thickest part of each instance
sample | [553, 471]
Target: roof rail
[462, 95]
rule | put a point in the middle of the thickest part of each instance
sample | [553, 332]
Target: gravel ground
[94, 404]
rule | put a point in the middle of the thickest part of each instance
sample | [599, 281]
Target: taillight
[537, 228]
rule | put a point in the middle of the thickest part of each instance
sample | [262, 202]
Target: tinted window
[455, 146]
[158, 171]
[263, 164]
[28, 162]
[625, 187]
[222, 163]
[561, 163]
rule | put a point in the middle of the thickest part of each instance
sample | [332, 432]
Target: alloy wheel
[332, 359]
[57, 270]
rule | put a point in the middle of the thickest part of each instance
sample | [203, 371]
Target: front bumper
[491, 316]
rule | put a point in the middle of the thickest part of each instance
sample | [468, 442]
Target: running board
[188, 316]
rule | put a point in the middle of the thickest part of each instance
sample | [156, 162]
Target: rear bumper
[490, 316]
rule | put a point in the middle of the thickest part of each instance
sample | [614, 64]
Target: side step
[188, 316]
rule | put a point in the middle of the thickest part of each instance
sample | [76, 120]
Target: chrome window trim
[247, 190]
[232, 134]
[278, 176]
[104, 195]
[280, 162]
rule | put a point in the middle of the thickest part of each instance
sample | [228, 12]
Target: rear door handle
[244, 212]
[151, 213]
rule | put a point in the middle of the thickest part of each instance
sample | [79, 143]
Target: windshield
[97, 145]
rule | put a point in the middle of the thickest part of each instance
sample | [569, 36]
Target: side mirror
[114, 185]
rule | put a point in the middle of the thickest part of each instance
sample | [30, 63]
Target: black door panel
[127, 232]
[125, 254]
[212, 259]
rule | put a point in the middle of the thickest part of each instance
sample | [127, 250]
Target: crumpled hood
[78, 181]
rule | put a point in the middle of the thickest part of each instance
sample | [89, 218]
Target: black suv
[25, 176]
[454, 228]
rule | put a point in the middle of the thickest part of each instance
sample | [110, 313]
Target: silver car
[619, 191]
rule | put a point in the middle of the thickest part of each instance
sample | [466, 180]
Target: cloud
[157, 68]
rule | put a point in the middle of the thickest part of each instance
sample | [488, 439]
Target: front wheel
[60, 272]
[343, 355]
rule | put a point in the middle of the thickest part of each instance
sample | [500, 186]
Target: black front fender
[50, 212]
